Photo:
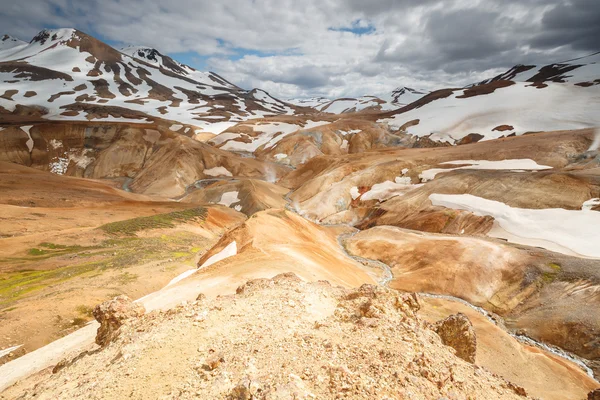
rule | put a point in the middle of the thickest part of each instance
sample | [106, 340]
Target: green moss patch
[130, 227]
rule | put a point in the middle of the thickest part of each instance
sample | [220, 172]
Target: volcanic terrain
[165, 233]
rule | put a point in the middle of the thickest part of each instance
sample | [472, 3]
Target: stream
[387, 276]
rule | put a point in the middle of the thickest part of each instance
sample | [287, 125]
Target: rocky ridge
[276, 339]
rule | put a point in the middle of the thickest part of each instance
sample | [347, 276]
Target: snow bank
[591, 203]
[229, 251]
[388, 189]
[521, 165]
[572, 232]
[217, 171]
[30, 140]
[9, 350]
[228, 198]
[558, 106]
[182, 276]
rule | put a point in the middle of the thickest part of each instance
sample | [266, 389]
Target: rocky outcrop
[112, 314]
[457, 332]
[594, 395]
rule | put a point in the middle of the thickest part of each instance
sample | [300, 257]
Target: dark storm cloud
[466, 34]
[575, 24]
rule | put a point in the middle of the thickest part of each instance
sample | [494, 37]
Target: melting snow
[558, 106]
[30, 140]
[55, 144]
[591, 203]
[228, 198]
[217, 171]
[573, 232]
[520, 165]
[229, 251]
[9, 350]
[388, 189]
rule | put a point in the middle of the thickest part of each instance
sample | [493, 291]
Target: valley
[306, 224]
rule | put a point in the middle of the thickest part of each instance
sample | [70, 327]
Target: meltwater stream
[387, 276]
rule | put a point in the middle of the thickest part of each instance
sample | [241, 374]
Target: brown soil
[55, 264]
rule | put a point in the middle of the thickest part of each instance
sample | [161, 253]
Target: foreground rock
[112, 314]
[278, 338]
[457, 332]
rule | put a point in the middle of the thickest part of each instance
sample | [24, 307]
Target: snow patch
[591, 203]
[175, 127]
[228, 198]
[30, 140]
[515, 165]
[182, 276]
[55, 144]
[9, 350]
[229, 251]
[573, 232]
[217, 171]
[388, 189]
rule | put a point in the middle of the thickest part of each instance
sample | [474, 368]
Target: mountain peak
[8, 42]
[406, 95]
[155, 57]
[54, 35]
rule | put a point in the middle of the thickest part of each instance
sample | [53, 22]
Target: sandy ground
[277, 338]
[541, 373]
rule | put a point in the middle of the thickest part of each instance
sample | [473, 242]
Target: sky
[331, 48]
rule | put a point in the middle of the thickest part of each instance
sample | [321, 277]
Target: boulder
[112, 314]
[457, 332]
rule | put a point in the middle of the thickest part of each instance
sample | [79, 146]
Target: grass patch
[116, 253]
[85, 310]
[47, 250]
[36, 252]
[130, 227]
[555, 267]
[126, 278]
[78, 321]
[548, 277]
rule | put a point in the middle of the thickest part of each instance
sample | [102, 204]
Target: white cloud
[427, 44]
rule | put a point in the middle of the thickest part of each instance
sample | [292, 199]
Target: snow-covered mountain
[523, 99]
[77, 77]
[346, 104]
[583, 71]
[313, 102]
[9, 42]
[399, 97]
[404, 95]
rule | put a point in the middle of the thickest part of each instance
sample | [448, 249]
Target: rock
[112, 314]
[594, 395]
[518, 389]
[457, 332]
[201, 297]
[241, 391]
[213, 362]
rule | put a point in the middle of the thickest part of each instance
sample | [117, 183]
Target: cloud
[333, 47]
[575, 24]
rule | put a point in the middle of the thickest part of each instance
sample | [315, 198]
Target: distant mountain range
[74, 76]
